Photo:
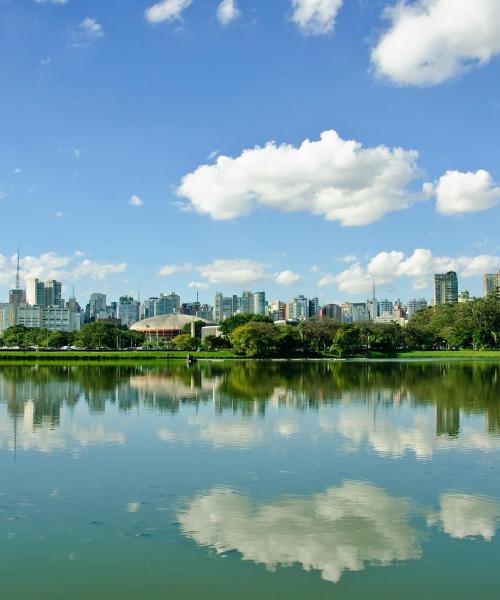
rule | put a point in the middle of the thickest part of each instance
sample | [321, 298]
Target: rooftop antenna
[74, 296]
[197, 296]
[139, 292]
[374, 296]
[18, 269]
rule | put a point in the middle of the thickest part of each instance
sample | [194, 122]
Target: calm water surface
[245, 480]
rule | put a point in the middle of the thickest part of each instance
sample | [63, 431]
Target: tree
[197, 328]
[255, 339]
[213, 343]
[185, 343]
[229, 325]
[347, 342]
[317, 334]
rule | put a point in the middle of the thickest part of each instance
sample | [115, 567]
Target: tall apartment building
[225, 306]
[7, 316]
[298, 309]
[53, 293]
[415, 305]
[332, 311]
[276, 310]
[491, 284]
[445, 288]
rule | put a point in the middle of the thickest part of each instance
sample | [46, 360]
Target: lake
[250, 480]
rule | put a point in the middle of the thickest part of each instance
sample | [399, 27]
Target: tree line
[469, 325]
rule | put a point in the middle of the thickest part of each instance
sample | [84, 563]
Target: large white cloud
[467, 515]
[337, 178]
[457, 193]
[386, 267]
[227, 11]
[287, 278]
[315, 17]
[312, 532]
[167, 10]
[430, 41]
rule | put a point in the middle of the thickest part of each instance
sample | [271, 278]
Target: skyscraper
[52, 291]
[35, 292]
[445, 288]
[97, 304]
[259, 303]
[246, 302]
[491, 284]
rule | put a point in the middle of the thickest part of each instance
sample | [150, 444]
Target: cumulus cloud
[287, 278]
[227, 11]
[386, 267]
[310, 532]
[457, 193]
[430, 41]
[136, 201]
[467, 515]
[51, 265]
[336, 178]
[198, 285]
[167, 10]
[167, 270]
[97, 270]
[240, 271]
[315, 17]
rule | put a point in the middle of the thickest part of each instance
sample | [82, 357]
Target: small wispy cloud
[86, 33]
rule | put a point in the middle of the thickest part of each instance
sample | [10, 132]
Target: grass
[139, 355]
[495, 354]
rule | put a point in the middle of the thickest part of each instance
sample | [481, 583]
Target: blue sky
[105, 101]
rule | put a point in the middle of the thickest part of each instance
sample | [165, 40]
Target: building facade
[445, 288]
[491, 285]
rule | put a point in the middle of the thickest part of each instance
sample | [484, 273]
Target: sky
[291, 146]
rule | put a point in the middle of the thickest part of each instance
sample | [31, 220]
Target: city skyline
[135, 150]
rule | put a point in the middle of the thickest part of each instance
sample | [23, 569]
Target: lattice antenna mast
[18, 279]
[374, 296]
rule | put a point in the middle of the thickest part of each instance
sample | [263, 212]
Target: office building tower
[35, 292]
[7, 316]
[167, 304]
[247, 302]
[491, 285]
[53, 291]
[276, 310]
[128, 310]
[259, 303]
[313, 308]
[97, 305]
[445, 288]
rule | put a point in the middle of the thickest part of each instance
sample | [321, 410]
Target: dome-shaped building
[164, 327]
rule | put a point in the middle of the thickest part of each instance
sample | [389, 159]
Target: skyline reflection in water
[330, 468]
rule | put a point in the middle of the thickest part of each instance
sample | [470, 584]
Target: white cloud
[386, 267]
[167, 270]
[59, 214]
[198, 285]
[167, 10]
[347, 259]
[86, 33]
[315, 17]
[310, 531]
[76, 152]
[337, 178]
[287, 278]
[466, 515]
[136, 201]
[17, 171]
[45, 61]
[97, 270]
[430, 41]
[457, 193]
[236, 271]
[227, 11]
[52, 1]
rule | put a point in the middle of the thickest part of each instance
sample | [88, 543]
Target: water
[269, 480]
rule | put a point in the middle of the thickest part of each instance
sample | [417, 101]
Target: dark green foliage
[229, 325]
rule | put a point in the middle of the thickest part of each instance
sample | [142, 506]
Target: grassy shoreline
[153, 355]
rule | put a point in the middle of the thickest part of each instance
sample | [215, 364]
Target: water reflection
[340, 529]
[362, 402]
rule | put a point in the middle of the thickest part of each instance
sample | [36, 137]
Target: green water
[250, 480]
